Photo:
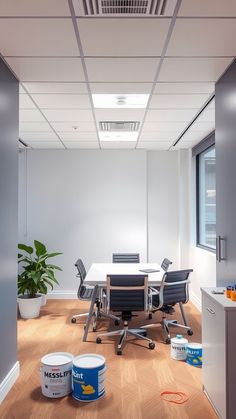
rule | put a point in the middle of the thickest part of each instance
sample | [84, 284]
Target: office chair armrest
[167, 284]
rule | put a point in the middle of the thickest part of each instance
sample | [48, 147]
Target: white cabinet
[219, 352]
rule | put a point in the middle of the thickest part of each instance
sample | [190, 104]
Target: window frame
[198, 243]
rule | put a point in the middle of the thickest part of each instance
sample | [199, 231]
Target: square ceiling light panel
[120, 100]
[118, 136]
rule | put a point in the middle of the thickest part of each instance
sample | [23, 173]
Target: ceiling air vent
[106, 8]
[119, 126]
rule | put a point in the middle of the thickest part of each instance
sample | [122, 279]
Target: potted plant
[34, 277]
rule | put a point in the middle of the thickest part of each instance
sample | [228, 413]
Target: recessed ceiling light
[75, 127]
[118, 136]
[120, 101]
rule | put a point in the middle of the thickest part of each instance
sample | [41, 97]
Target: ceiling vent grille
[106, 8]
[121, 126]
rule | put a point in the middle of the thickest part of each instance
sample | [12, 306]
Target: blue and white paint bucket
[88, 377]
[194, 354]
[56, 371]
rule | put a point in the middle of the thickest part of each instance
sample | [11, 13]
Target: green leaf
[54, 267]
[40, 248]
[51, 255]
[20, 255]
[27, 249]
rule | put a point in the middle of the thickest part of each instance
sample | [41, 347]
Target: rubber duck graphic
[88, 389]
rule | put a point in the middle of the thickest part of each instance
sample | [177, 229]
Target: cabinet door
[214, 352]
[225, 177]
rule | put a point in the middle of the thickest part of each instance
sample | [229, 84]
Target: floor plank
[134, 380]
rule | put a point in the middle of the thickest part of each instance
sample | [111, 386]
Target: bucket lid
[179, 339]
[57, 358]
[89, 361]
[194, 345]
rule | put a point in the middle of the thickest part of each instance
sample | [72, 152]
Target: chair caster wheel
[119, 352]
[94, 329]
[151, 345]
[116, 322]
[98, 340]
[73, 320]
[150, 316]
[167, 341]
[190, 332]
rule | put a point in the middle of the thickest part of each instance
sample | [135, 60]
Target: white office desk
[98, 272]
[97, 276]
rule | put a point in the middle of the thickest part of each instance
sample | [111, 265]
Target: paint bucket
[88, 377]
[56, 371]
[178, 348]
[194, 354]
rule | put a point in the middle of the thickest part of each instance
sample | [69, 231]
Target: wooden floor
[134, 380]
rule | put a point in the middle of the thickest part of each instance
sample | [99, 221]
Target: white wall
[91, 203]
[163, 206]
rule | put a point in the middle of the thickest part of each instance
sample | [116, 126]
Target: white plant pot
[29, 307]
[44, 299]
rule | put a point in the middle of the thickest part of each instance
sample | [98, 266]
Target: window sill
[208, 249]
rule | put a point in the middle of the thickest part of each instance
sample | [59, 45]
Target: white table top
[98, 272]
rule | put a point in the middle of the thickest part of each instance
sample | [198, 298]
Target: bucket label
[194, 357]
[88, 383]
[56, 381]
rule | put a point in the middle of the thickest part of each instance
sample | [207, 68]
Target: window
[206, 198]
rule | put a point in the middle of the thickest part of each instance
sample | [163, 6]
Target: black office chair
[125, 258]
[85, 293]
[127, 293]
[173, 290]
[165, 264]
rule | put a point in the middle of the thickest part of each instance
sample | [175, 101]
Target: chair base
[97, 315]
[124, 333]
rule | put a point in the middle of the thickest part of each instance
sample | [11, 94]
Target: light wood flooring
[134, 380]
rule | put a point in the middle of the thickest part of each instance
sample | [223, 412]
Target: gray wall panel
[9, 111]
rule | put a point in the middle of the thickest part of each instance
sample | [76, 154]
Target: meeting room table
[97, 277]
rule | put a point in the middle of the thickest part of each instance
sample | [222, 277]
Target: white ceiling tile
[211, 104]
[164, 126]
[206, 127]
[77, 136]
[119, 114]
[184, 88]
[47, 69]
[208, 115]
[52, 88]
[34, 127]
[34, 37]
[183, 145]
[127, 37]
[34, 8]
[25, 102]
[219, 41]
[118, 144]
[173, 115]
[154, 145]
[62, 101]
[46, 144]
[21, 90]
[193, 69]
[30, 115]
[178, 101]
[207, 8]
[82, 144]
[194, 136]
[121, 69]
[65, 115]
[69, 126]
[159, 136]
[121, 88]
[38, 136]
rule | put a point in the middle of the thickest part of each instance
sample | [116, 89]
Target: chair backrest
[174, 287]
[81, 275]
[125, 258]
[127, 292]
[165, 264]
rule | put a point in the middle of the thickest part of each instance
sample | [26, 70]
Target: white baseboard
[62, 295]
[195, 300]
[9, 380]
